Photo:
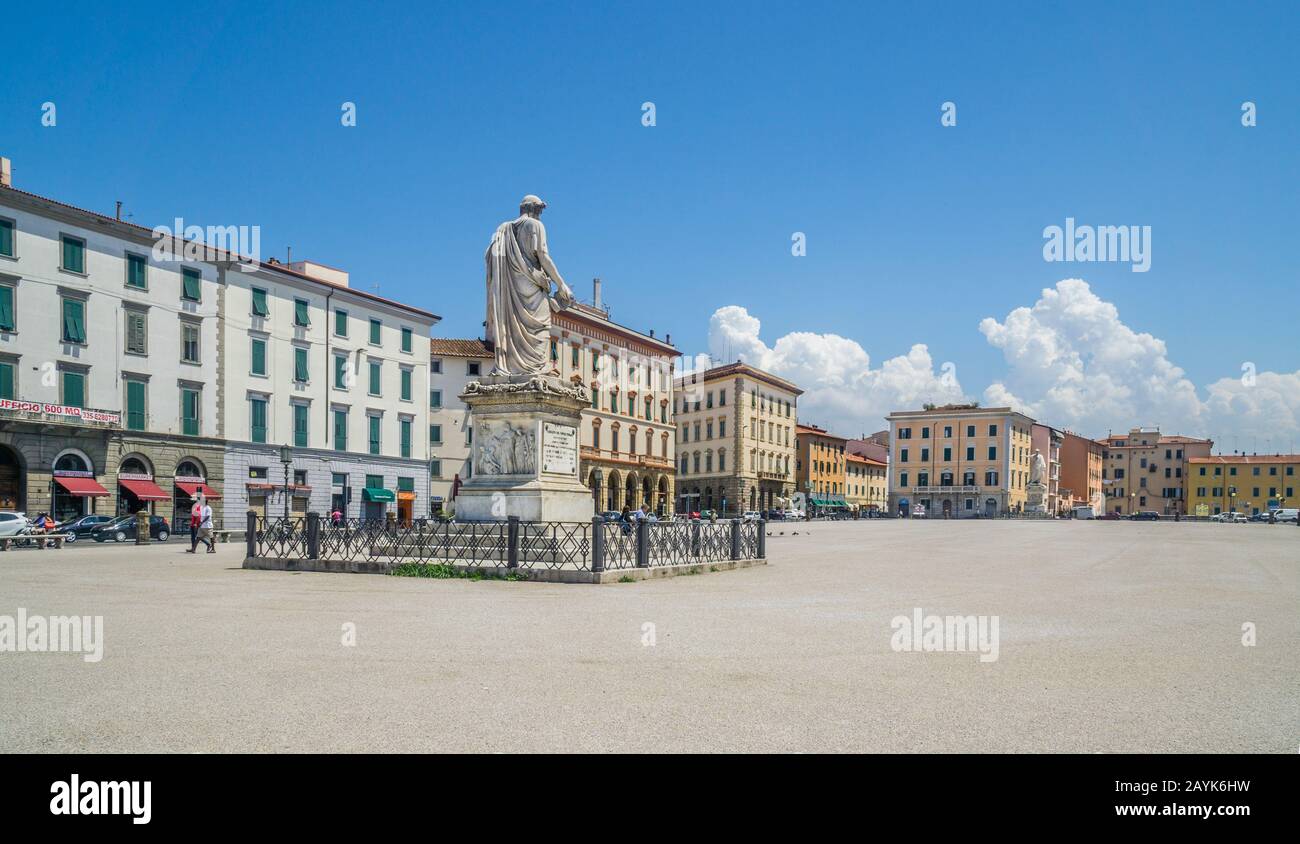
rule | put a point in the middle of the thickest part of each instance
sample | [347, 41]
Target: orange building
[820, 466]
[1081, 465]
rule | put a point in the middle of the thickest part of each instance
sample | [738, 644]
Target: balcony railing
[593, 453]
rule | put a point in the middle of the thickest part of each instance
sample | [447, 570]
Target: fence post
[512, 542]
[250, 534]
[597, 543]
[695, 539]
[762, 540]
[642, 544]
[735, 539]
[141, 528]
[313, 536]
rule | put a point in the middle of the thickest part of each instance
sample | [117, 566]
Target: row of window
[684, 430]
[630, 407]
[946, 479]
[1218, 492]
[1232, 471]
[765, 462]
[631, 440]
[906, 433]
[904, 454]
[302, 319]
[258, 406]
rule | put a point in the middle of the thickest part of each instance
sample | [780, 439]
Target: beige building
[959, 460]
[866, 482]
[627, 435]
[1145, 470]
[735, 439]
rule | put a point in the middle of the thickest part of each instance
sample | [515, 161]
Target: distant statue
[519, 277]
[1037, 469]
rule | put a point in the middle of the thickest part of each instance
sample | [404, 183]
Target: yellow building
[960, 461]
[1242, 483]
[866, 483]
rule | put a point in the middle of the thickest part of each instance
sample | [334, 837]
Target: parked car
[1146, 516]
[751, 516]
[12, 523]
[1259, 517]
[611, 515]
[124, 527]
[75, 529]
[1288, 514]
[1110, 517]
[793, 514]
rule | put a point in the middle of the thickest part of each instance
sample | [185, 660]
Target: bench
[40, 540]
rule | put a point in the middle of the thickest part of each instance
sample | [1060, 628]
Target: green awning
[819, 501]
[379, 495]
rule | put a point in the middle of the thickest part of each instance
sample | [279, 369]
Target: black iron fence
[587, 546]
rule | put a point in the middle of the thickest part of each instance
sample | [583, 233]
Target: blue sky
[771, 119]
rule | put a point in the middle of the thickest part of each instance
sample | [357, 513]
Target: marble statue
[1037, 469]
[519, 304]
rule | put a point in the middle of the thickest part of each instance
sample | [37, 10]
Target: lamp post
[596, 477]
[286, 459]
[807, 505]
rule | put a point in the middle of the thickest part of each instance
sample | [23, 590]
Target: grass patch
[627, 579]
[446, 571]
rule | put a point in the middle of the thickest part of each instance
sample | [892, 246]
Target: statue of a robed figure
[519, 303]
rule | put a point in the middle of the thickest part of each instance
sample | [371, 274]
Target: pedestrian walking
[196, 515]
[205, 528]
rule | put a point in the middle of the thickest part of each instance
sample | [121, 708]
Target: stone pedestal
[1037, 495]
[524, 458]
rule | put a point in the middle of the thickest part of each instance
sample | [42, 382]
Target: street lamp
[286, 459]
[596, 476]
[807, 505]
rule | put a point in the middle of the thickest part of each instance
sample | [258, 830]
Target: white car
[12, 523]
[1287, 514]
[751, 516]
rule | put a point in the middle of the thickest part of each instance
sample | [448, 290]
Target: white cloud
[1074, 363]
[841, 390]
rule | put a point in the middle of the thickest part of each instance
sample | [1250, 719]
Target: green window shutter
[435, 434]
[190, 284]
[340, 430]
[374, 434]
[190, 412]
[340, 372]
[6, 238]
[406, 339]
[74, 389]
[6, 308]
[300, 425]
[406, 385]
[300, 312]
[135, 271]
[135, 405]
[260, 307]
[259, 357]
[375, 328]
[300, 365]
[74, 321]
[74, 255]
[259, 420]
[406, 437]
[374, 481]
[374, 378]
[341, 323]
[7, 381]
[406, 484]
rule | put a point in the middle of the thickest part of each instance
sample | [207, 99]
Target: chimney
[595, 293]
[6, 176]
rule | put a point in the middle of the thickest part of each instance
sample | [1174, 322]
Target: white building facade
[452, 365]
[339, 376]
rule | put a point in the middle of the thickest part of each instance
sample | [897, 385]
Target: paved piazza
[1114, 636]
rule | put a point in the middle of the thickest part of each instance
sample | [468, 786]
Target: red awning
[145, 490]
[193, 489]
[85, 487]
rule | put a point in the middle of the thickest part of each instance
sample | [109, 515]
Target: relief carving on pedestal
[505, 449]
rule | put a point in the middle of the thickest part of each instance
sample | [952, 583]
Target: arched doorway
[13, 480]
[611, 491]
[661, 506]
[136, 489]
[65, 505]
[629, 500]
[190, 481]
[647, 492]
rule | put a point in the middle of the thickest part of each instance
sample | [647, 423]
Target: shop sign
[132, 476]
[72, 473]
[44, 411]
